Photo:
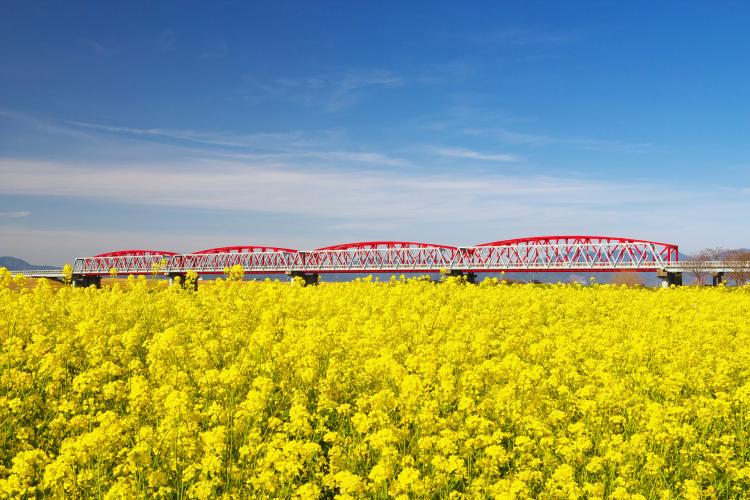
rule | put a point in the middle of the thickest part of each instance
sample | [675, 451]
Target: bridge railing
[39, 272]
[708, 265]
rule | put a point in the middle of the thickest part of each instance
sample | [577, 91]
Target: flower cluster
[406, 388]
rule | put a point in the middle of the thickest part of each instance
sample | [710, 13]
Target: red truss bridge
[537, 254]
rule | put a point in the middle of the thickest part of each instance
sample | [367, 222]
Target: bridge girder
[538, 254]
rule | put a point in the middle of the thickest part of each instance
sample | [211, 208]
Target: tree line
[701, 265]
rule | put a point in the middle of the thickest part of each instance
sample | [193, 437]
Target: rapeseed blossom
[404, 389]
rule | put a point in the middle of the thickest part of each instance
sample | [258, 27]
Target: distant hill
[16, 264]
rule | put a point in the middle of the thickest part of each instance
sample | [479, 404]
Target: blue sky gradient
[187, 125]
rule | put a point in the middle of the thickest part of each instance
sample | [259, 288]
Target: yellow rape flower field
[404, 389]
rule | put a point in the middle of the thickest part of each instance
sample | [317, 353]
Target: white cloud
[522, 37]
[332, 93]
[357, 195]
[167, 41]
[279, 189]
[35, 245]
[347, 82]
[260, 140]
[322, 193]
[314, 208]
[14, 215]
[281, 146]
[587, 143]
[475, 155]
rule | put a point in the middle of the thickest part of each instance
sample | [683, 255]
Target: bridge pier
[717, 278]
[86, 281]
[669, 278]
[309, 278]
[468, 276]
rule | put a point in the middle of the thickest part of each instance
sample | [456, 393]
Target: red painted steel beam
[120, 253]
[243, 249]
[360, 245]
[575, 238]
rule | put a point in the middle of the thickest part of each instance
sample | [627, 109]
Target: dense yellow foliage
[404, 388]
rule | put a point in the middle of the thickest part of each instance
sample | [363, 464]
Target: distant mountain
[16, 264]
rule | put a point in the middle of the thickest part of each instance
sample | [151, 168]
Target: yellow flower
[402, 388]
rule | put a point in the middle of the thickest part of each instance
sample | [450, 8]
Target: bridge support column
[668, 278]
[309, 278]
[86, 281]
[717, 278]
[468, 276]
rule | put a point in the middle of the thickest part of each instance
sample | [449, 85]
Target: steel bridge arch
[384, 244]
[254, 259]
[243, 249]
[572, 239]
[134, 253]
[380, 256]
[574, 253]
[124, 262]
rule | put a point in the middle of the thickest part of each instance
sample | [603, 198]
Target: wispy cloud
[215, 49]
[362, 203]
[517, 36]
[358, 157]
[281, 146]
[167, 41]
[34, 244]
[98, 47]
[475, 155]
[351, 195]
[592, 144]
[331, 93]
[294, 146]
[361, 195]
[333, 158]
[452, 71]
[43, 125]
[260, 140]
[14, 215]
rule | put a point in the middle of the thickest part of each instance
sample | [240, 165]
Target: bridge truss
[537, 254]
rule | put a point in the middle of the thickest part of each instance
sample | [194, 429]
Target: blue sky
[189, 125]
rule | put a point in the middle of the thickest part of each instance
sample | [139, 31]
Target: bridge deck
[40, 273]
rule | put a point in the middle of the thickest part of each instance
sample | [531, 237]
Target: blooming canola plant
[403, 388]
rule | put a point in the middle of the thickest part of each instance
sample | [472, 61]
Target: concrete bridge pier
[309, 278]
[86, 281]
[668, 278]
[717, 278]
[467, 275]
